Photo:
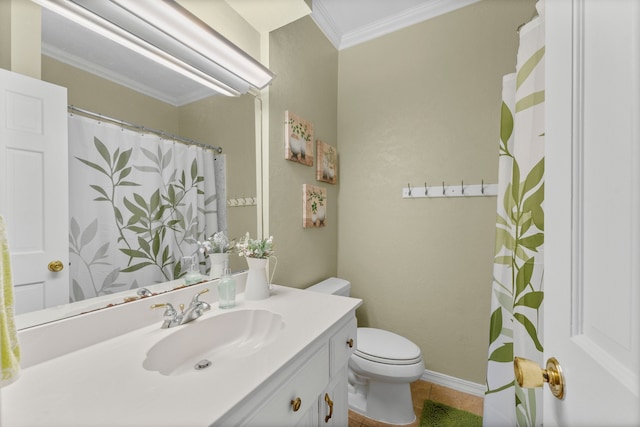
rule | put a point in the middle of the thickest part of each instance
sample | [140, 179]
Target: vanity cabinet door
[309, 418]
[332, 404]
[296, 402]
[343, 344]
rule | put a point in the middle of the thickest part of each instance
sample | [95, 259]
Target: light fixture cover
[170, 34]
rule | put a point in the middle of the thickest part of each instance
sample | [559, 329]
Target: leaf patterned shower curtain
[138, 203]
[517, 290]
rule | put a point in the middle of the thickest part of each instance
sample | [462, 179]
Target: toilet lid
[382, 346]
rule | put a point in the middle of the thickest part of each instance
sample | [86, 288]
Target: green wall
[423, 104]
[306, 66]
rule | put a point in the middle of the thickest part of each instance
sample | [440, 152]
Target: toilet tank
[332, 285]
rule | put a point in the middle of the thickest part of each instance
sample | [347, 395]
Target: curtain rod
[160, 133]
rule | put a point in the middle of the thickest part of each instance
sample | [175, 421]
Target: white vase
[257, 286]
[321, 215]
[217, 264]
[295, 145]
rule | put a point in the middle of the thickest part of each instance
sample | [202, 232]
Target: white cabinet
[333, 407]
[298, 395]
[334, 410]
[312, 391]
[306, 361]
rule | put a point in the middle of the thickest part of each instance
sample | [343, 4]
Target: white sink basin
[205, 342]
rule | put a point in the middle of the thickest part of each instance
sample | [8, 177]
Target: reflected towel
[9, 348]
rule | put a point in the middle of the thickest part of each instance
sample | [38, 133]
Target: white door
[34, 188]
[592, 210]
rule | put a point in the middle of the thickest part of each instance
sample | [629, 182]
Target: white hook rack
[460, 190]
[241, 201]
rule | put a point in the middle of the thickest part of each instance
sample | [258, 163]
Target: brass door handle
[295, 404]
[530, 375]
[329, 402]
[55, 266]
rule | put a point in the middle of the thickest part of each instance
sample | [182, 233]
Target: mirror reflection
[146, 231]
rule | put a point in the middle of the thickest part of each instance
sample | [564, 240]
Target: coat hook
[409, 187]
[426, 189]
[443, 191]
[462, 187]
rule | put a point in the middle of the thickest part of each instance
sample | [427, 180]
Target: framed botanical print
[298, 139]
[314, 205]
[327, 163]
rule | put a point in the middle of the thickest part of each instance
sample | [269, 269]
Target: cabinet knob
[295, 404]
[350, 343]
[329, 402]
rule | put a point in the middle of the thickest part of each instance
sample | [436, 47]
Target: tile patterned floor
[420, 391]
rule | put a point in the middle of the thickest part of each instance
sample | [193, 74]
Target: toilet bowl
[380, 369]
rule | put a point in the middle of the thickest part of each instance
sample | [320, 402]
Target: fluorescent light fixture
[170, 35]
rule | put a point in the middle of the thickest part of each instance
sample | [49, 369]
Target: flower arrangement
[218, 243]
[255, 248]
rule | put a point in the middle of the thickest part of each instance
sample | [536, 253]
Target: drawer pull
[295, 404]
[330, 404]
[350, 343]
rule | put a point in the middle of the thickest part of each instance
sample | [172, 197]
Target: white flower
[217, 243]
[255, 248]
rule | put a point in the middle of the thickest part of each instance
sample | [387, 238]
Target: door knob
[55, 266]
[530, 375]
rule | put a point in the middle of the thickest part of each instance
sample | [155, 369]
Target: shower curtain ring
[409, 187]
[426, 189]
[482, 187]
[462, 187]
[443, 190]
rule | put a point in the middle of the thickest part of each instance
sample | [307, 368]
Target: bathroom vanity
[279, 361]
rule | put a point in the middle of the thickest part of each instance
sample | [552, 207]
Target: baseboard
[454, 383]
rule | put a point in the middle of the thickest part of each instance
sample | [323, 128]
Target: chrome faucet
[196, 309]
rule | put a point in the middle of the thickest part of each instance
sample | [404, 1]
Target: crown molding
[420, 13]
[325, 22]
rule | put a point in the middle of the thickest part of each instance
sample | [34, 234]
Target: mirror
[177, 107]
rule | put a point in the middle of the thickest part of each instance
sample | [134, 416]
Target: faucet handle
[169, 311]
[200, 306]
[195, 299]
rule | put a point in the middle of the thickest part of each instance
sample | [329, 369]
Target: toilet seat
[380, 346]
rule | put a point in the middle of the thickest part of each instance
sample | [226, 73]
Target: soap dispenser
[227, 288]
[190, 264]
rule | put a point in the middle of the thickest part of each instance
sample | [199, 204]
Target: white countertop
[105, 384]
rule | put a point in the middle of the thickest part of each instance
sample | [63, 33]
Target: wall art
[327, 163]
[298, 137]
[314, 203]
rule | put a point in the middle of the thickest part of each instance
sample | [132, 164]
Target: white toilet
[381, 368]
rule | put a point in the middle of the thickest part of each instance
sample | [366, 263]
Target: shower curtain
[138, 203]
[517, 289]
